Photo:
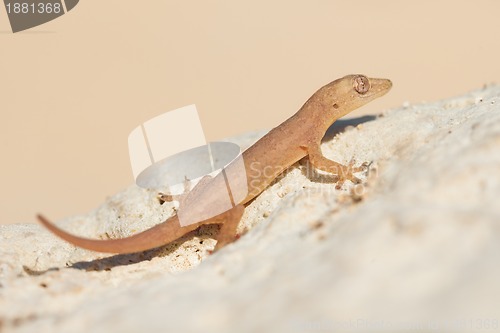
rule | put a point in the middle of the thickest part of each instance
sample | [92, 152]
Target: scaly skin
[284, 145]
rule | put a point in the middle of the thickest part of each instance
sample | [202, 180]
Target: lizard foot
[162, 197]
[346, 173]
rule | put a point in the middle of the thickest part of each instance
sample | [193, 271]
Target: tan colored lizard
[284, 145]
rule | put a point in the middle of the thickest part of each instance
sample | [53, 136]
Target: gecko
[297, 137]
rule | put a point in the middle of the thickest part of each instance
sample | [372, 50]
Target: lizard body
[297, 137]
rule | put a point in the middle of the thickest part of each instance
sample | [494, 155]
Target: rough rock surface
[416, 246]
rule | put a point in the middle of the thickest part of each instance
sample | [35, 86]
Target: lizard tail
[158, 235]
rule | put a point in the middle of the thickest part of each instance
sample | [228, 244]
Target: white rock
[417, 246]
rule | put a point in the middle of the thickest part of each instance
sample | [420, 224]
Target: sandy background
[73, 89]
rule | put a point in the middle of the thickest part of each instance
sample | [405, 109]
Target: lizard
[297, 137]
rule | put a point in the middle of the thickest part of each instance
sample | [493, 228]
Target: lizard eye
[361, 84]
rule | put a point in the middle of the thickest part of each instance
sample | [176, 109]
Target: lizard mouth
[379, 87]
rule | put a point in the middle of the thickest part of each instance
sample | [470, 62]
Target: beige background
[73, 89]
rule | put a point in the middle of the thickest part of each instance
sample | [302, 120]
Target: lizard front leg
[344, 172]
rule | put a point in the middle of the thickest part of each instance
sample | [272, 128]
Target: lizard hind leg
[227, 233]
[163, 197]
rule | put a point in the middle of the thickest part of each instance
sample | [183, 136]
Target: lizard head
[346, 94]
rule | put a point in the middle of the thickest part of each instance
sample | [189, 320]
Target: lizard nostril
[335, 106]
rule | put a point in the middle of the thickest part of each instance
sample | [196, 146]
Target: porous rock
[416, 245]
